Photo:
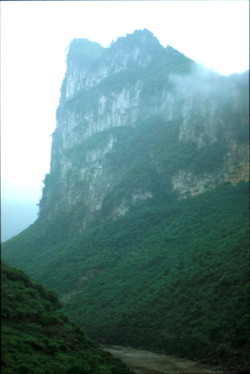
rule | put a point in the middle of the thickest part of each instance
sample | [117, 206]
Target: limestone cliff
[108, 98]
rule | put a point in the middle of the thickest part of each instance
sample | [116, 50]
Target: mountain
[126, 94]
[38, 338]
[143, 224]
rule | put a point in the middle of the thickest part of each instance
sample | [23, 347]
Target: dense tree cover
[38, 338]
[173, 277]
[170, 276]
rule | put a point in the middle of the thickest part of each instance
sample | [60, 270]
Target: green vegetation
[38, 338]
[171, 274]
[143, 158]
[172, 277]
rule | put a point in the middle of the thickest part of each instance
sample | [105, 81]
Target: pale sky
[34, 38]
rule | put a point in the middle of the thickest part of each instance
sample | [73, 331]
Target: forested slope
[38, 338]
[171, 277]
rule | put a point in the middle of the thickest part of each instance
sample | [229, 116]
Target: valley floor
[145, 362]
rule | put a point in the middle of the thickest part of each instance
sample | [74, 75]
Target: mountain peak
[83, 51]
[139, 38]
[144, 34]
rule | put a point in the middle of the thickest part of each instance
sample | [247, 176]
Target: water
[145, 362]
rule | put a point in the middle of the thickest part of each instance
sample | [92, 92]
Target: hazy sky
[34, 38]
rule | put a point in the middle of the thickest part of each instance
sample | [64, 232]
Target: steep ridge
[38, 338]
[143, 223]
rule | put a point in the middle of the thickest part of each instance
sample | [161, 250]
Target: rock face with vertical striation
[109, 94]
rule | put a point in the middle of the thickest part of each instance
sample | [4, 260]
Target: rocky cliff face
[108, 95]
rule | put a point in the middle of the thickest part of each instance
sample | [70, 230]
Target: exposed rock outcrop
[133, 80]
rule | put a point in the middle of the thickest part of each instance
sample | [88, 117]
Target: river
[145, 362]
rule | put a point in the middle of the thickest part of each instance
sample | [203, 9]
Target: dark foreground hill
[37, 337]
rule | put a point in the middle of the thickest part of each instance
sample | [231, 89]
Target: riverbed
[145, 362]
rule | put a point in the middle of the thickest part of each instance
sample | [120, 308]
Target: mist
[32, 70]
[16, 216]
